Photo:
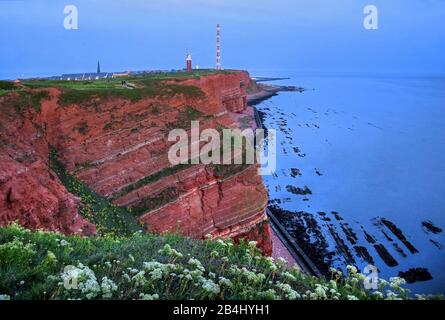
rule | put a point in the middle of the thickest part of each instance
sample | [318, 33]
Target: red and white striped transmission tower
[218, 47]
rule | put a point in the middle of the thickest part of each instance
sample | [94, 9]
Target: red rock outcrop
[30, 193]
[119, 148]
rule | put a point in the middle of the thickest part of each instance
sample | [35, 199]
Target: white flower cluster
[210, 286]
[196, 264]
[63, 243]
[224, 282]
[144, 296]
[168, 250]
[396, 282]
[271, 264]
[252, 244]
[251, 276]
[81, 279]
[4, 297]
[225, 243]
[108, 287]
[288, 292]
[139, 279]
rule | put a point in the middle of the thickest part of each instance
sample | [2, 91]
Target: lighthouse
[188, 61]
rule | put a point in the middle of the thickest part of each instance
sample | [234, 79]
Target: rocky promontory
[114, 141]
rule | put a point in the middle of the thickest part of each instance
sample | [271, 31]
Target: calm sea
[371, 149]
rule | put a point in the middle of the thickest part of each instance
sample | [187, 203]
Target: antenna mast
[218, 47]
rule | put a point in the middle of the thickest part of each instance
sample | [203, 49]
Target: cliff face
[119, 148]
[30, 192]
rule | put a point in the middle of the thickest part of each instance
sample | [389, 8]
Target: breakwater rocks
[335, 244]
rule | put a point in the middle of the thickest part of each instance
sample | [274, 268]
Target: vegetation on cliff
[149, 179]
[48, 265]
[6, 87]
[108, 218]
[162, 85]
[24, 99]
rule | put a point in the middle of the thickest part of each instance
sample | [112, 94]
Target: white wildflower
[64, 243]
[108, 287]
[127, 277]
[81, 278]
[320, 291]
[139, 279]
[196, 263]
[210, 286]
[144, 296]
[133, 270]
[351, 269]
[252, 244]
[288, 292]
[168, 250]
[225, 282]
[156, 274]
[378, 294]
[396, 282]
[288, 276]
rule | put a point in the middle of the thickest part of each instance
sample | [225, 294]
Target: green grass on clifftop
[46, 265]
[163, 85]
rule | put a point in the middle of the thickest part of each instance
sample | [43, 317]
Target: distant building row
[105, 75]
[85, 76]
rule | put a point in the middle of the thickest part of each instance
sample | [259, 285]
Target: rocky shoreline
[327, 238]
[265, 91]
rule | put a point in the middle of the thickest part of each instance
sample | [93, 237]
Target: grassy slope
[33, 265]
[82, 92]
[147, 85]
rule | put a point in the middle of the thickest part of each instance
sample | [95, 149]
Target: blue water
[380, 148]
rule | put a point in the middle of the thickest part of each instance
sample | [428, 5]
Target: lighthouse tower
[188, 61]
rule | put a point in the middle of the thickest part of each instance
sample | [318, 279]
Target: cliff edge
[113, 139]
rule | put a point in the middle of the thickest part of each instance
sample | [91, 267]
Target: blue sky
[260, 36]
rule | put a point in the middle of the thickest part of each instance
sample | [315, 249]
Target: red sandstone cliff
[116, 146]
[30, 192]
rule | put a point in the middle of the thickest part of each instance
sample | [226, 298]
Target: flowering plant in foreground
[48, 265]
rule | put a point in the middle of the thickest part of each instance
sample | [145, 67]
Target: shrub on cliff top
[26, 99]
[48, 265]
[6, 85]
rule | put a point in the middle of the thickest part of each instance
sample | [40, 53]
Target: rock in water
[416, 275]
